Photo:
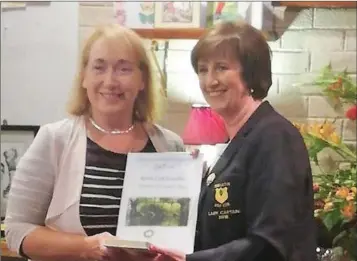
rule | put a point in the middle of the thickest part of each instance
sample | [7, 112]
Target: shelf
[317, 4]
[6, 252]
[171, 33]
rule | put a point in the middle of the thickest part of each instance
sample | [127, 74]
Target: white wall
[39, 49]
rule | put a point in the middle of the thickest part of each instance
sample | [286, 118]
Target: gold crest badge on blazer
[221, 194]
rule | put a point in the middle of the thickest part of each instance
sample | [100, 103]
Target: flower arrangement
[335, 190]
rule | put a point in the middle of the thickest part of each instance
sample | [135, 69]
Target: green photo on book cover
[171, 212]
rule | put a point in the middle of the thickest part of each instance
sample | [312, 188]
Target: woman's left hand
[167, 254]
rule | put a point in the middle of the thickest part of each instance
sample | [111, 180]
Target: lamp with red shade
[205, 130]
[204, 127]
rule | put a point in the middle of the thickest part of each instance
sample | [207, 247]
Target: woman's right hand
[94, 248]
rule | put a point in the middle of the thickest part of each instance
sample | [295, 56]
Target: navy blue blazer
[261, 187]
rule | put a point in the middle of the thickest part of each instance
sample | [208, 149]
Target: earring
[251, 91]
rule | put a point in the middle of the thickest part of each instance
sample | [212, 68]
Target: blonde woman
[66, 192]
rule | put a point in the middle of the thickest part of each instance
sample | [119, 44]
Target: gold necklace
[113, 132]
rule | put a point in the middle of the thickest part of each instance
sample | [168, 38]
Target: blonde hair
[147, 104]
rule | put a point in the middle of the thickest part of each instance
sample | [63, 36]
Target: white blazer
[47, 185]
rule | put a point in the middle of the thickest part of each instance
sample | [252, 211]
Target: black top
[102, 188]
[260, 204]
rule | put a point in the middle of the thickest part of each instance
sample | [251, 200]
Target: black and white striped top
[102, 188]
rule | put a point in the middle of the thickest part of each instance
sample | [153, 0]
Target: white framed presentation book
[159, 201]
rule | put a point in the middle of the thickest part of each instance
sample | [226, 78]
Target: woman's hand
[94, 248]
[194, 153]
[118, 254]
[165, 254]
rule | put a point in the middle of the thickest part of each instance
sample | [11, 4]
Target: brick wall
[313, 38]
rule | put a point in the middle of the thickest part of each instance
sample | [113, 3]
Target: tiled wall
[312, 39]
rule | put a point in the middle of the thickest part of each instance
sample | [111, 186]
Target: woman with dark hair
[257, 200]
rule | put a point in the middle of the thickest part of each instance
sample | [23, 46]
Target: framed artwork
[15, 140]
[134, 14]
[177, 14]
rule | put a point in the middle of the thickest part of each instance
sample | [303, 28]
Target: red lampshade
[204, 127]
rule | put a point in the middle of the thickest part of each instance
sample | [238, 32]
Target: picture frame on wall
[169, 14]
[135, 14]
[15, 140]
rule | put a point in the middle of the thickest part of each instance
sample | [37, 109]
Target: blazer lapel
[222, 162]
[235, 144]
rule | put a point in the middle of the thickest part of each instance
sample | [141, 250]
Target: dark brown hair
[247, 45]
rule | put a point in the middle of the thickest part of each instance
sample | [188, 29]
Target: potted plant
[335, 190]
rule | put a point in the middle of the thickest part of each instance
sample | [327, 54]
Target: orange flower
[336, 85]
[349, 210]
[334, 138]
[325, 131]
[315, 129]
[328, 206]
[339, 81]
[329, 133]
[350, 196]
[342, 192]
